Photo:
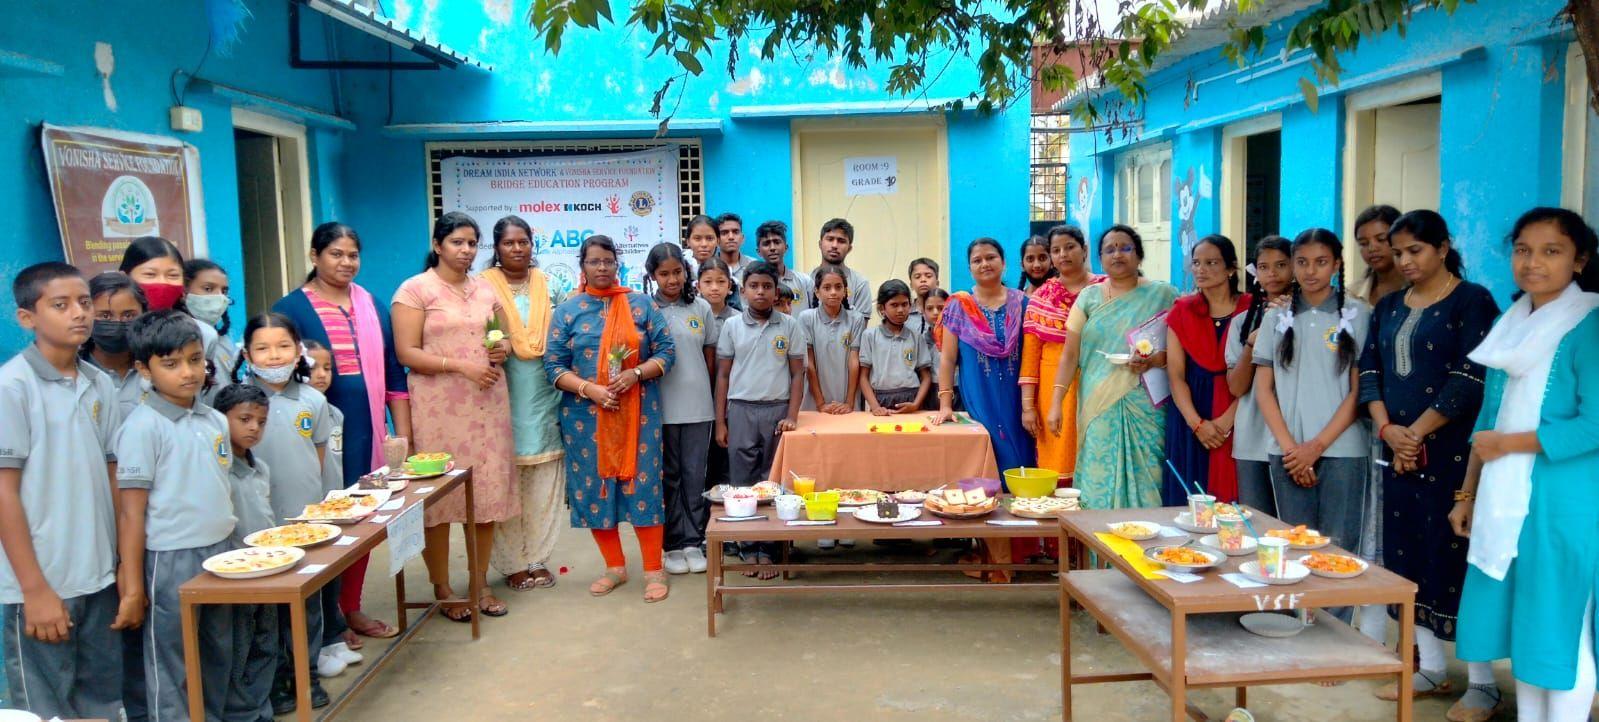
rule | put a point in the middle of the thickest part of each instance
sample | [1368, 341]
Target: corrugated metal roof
[363, 17]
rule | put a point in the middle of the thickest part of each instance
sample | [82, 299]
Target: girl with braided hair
[1271, 277]
[1306, 386]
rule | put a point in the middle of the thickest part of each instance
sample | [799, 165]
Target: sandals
[655, 588]
[614, 577]
[376, 629]
[1480, 703]
[491, 606]
[536, 576]
[1440, 686]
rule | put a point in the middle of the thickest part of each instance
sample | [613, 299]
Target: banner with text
[111, 187]
[631, 197]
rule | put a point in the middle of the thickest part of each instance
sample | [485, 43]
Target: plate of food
[765, 492]
[252, 562]
[887, 512]
[1293, 573]
[1183, 558]
[957, 504]
[409, 472]
[1135, 530]
[339, 510]
[1185, 520]
[1301, 538]
[1212, 542]
[1040, 507]
[859, 497]
[300, 535]
[910, 496]
[1334, 566]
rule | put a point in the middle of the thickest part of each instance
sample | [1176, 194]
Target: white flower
[1144, 347]
[496, 336]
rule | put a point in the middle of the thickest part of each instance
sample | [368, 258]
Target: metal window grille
[690, 164]
[1049, 153]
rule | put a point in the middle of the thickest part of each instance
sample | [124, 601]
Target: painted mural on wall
[1083, 203]
[111, 187]
[631, 197]
[1189, 193]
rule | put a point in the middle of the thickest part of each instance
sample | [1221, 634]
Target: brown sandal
[655, 587]
[614, 577]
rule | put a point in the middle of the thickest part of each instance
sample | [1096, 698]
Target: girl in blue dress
[1530, 502]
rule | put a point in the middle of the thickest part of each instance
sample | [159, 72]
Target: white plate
[1154, 530]
[1119, 359]
[1325, 541]
[449, 466]
[1215, 559]
[1296, 573]
[1213, 543]
[1335, 575]
[332, 530]
[869, 514]
[1270, 624]
[1185, 522]
[294, 552]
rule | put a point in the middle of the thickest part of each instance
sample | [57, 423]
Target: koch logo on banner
[631, 197]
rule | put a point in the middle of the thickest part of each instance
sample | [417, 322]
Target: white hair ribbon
[1285, 321]
[1346, 320]
[1250, 269]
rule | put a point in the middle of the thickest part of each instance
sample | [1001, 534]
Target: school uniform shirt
[686, 389]
[250, 487]
[894, 358]
[803, 287]
[760, 351]
[297, 423]
[1251, 437]
[182, 457]
[333, 453]
[831, 338]
[130, 388]
[1311, 388]
[860, 292]
[58, 432]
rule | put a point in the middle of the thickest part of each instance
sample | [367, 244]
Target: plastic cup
[395, 450]
[804, 485]
[1203, 509]
[1230, 531]
[789, 507]
[1269, 554]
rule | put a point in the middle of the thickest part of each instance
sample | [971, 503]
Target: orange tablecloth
[842, 454]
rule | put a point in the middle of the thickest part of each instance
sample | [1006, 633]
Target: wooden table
[1188, 635]
[292, 588]
[841, 452]
[774, 529]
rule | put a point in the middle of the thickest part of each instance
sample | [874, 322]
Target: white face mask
[207, 308]
[273, 375]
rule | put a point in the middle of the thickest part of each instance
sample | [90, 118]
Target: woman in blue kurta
[987, 323]
[611, 413]
[1531, 499]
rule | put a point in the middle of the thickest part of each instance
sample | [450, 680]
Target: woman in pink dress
[459, 394]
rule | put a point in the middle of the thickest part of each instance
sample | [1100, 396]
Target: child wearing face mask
[117, 301]
[206, 299]
[157, 266]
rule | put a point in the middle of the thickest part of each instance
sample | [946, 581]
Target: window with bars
[690, 164]
[1049, 153]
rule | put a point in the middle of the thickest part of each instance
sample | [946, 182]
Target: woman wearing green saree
[1120, 435]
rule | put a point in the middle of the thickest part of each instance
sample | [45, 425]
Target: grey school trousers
[752, 439]
[1335, 506]
[686, 450]
[166, 688]
[78, 678]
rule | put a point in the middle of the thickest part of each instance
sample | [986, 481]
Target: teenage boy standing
[838, 239]
[730, 240]
[771, 241]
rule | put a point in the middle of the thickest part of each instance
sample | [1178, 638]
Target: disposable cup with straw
[1201, 506]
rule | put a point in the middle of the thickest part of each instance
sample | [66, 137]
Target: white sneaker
[826, 545]
[696, 559]
[343, 653]
[328, 665]
[675, 563]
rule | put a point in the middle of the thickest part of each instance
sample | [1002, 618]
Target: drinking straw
[1186, 487]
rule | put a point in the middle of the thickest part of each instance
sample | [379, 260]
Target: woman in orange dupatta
[1045, 335]
[607, 345]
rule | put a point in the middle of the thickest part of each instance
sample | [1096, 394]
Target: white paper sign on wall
[871, 175]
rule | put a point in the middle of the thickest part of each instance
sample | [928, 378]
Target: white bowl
[737, 504]
[1212, 543]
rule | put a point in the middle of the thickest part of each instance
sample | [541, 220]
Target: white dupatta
[1522, 344]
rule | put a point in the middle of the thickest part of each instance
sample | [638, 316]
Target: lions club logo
[302, 423]
[1331, 338]
[780, 345]
[694, 323]
[219, 445]
[336, 441]
[910, 358]
[642, 203]
[94, 412]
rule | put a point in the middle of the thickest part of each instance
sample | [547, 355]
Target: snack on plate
[943, 504]
[1223, 508]
[767, 490]
[292, 535]
[975, 496]
[244, 561]
[1133, 530]
[1040, 506]
[1300, 536]
[858, 497]
[954, 496]
[373, 480]
[910, 497]
[344, 507]
[1184, 556]
[1333, 563]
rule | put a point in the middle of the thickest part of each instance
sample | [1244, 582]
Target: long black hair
[1431, 229]
[326, 235]
[1229, 256]
[1257, 292]
[506, 224]
[1346, 342]
[146, 248]
[830, 269]
[715, 263]
[1043, 243]
[1381, 213]
[271, 319]
[443, 227]
[661, 253]
[1570, 225]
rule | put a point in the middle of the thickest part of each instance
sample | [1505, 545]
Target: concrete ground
[563, 655]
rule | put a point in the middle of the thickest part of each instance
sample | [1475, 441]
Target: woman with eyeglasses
[1120, 431]
[608, 345]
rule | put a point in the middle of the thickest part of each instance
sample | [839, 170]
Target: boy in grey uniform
[760, 377]
[173, 459]
[837, 240]
[771, 240]
[63, 655]
[255, 650]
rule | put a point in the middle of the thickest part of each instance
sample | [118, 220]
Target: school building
[1480, 115]
[344, 110]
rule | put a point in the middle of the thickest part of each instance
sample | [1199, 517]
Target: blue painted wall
[1501, 124]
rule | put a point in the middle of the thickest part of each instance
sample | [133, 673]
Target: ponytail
[1285, 347]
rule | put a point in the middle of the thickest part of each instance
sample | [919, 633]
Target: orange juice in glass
[804, 485]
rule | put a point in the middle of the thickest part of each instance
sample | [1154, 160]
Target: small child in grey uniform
[894, 360]
[173, 460]
[336, 654]
[255, 626]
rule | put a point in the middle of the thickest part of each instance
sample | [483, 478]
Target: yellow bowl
[1031, 482]
[821, 505]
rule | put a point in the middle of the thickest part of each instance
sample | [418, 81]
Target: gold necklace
[1448, 286]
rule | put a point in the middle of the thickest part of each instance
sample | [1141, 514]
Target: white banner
[631, 197]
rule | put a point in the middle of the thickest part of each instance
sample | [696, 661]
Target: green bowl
[427, 466]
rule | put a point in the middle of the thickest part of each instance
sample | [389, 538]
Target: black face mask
[110, 336]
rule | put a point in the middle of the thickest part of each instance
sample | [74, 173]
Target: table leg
[1179, 663]
[191, 660]
[399, 601]
[713, 577]
[1241, 697]
[1407, 641]
[474, 564]
[300, 649]
[1065, 646]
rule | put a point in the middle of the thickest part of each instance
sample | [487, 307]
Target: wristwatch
[638, 374]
